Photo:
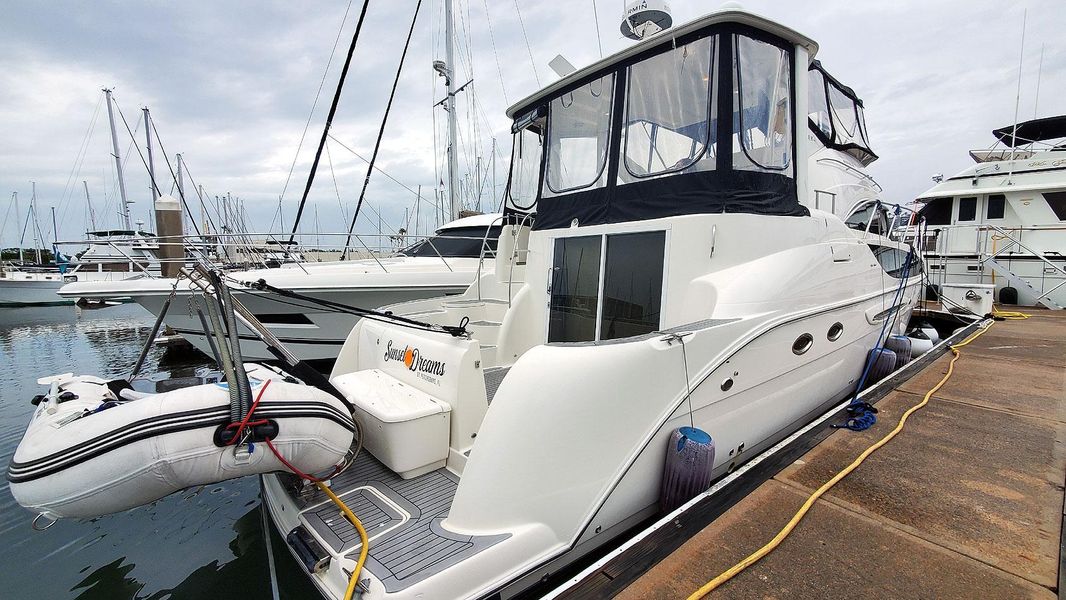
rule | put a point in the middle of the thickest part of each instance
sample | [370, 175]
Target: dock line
[784, 533]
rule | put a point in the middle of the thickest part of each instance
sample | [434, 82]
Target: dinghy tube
[89, 452]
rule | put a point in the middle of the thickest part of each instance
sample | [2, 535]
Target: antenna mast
[449, 80]
[118, 163]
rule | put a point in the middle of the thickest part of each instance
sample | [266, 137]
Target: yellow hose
[1009, 315]
[362, 537]
[761, 552]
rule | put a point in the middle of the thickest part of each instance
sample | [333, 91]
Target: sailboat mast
[16, 194]
[453, 164]
[36, 226]
[89, 202]
[118, 163]
[151, 165]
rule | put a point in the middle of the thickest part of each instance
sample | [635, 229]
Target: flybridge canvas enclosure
[640, 138]
[1037, 130]
[835, 115]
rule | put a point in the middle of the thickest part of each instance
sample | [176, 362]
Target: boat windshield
[460, 242]
[835, 115]
[601, 149]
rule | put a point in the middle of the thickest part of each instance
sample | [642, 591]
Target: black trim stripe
[148, 428]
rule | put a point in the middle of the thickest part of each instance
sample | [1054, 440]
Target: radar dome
[645, 17]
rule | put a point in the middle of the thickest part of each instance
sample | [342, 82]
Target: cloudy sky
[231, 85]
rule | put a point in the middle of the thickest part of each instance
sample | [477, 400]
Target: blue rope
[862, 415]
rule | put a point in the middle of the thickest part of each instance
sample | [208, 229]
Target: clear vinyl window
[668, 125]
[817, 105]
[526, 153]
[762, 105]
[579, 123]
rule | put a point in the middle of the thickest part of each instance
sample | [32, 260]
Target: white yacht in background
[111, 256]
[442, 264]
[1002, 221]
[671, 255]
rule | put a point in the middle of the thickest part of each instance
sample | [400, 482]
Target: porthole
[835, 331]
[727, 384]
[802, 344]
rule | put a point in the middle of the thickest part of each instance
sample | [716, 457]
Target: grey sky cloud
[230, 85]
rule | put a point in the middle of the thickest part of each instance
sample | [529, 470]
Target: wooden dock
[966, 502]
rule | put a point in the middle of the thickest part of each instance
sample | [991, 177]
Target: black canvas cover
[732, 191]
[1037, 130]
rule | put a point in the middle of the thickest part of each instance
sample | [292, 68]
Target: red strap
[240, 426]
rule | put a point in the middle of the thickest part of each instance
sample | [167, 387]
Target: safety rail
[236, 251]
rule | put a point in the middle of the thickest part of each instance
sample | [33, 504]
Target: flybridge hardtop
[606, 145]
[730, 15]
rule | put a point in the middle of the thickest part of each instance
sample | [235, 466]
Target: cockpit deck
[401, 517]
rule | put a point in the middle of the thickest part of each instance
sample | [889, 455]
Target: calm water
[206, 542]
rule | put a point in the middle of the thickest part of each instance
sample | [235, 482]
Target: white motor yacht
[1001, 221]
[442, 264]
[111, 256]
[690, 239]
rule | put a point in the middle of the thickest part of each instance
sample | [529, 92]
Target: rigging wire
[336, 188]
[381, 130]
[529, 49]
[174, 177]
[596, 20]
[495, 55]
[329, 120]
[318, 94]
[79, 161]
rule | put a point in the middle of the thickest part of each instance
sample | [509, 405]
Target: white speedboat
[1000, 222]
[666, 261]
[443, 264]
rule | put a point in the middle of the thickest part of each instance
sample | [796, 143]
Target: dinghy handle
[37, 527]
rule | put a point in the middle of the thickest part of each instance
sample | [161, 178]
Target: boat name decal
[413, 360]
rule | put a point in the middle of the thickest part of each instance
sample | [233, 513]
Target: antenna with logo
[645, 17]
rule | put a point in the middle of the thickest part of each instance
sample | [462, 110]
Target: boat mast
[449, 58]
[16, 195]
[36, 226]
[118, 163]
[92, 213]
[151, 165]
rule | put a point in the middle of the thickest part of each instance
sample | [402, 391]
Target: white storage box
[403, 427]
[975, 297]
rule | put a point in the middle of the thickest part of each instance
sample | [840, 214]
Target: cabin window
[526, 153]
[632, 284]
[937, 211]
[762, 105]
[894, 261]
[616, 294]
[967, 209]
[461, 242]
[575, 289]
[579, 123]
[668, 125]
[996, 206]
[1057, 202]
[870, 217]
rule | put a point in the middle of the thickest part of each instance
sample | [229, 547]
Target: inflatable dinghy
[90, 450]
